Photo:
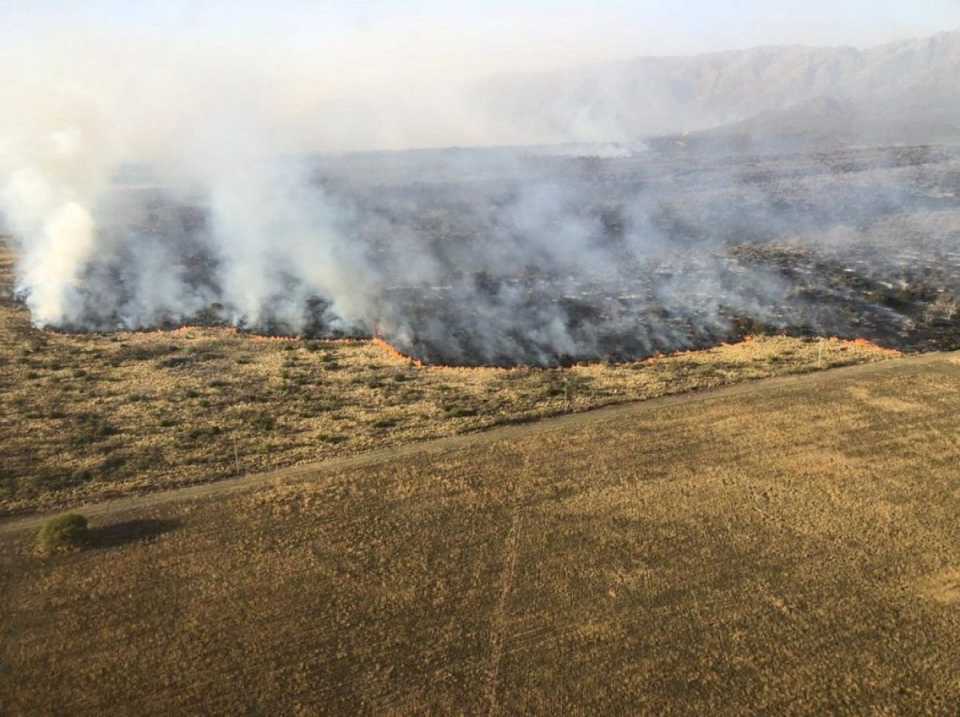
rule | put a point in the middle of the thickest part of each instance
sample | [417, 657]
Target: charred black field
[683, 251]
[519, 257]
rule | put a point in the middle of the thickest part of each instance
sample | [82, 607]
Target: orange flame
[866, 343]
[395, 353]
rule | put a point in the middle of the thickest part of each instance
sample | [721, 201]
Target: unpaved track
[787, 547]
[326, 470]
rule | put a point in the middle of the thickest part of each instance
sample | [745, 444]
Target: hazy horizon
[384, 74]
[533, 35]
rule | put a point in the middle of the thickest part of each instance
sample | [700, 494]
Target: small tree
[63, 533]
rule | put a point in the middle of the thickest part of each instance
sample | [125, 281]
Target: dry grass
[93, 416]
[789, 550]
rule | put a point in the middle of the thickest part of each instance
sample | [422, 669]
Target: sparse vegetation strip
[326, 469]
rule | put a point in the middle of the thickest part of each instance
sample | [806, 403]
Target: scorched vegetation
[96, 415]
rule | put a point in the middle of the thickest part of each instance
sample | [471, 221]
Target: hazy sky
[489, 35]
[382, 73]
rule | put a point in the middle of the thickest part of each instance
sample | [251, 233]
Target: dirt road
[325, 469]
[785, 547]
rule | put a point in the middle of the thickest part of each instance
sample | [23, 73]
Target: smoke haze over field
[159, 167]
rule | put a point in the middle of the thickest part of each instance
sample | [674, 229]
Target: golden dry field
[788, 547]
[94, 416]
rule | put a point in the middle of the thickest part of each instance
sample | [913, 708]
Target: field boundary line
[325, 469]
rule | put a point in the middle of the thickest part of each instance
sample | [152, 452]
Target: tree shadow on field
[130, 531]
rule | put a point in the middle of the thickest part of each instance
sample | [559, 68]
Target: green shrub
[113, 463]
[201, 433]
[92, 429]
[8, 483]
[63, 533]
[144, 352]
[262, 422]
[53, 480]
[174, 362]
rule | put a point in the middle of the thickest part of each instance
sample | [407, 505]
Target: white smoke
[148, 182]
[214, 130]
[47, 200]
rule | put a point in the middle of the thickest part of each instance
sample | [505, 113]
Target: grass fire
[479, 358]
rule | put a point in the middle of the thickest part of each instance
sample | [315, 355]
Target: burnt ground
[680, 252]
[497, 257]
[86, 416]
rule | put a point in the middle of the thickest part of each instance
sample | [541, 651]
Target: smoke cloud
[150, 185]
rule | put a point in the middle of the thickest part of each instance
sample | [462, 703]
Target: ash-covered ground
[507, 257]
[655, 253]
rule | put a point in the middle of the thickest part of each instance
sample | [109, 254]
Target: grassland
[88, 417]
[793, 548]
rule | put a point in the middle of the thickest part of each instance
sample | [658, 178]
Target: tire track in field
[511, 553]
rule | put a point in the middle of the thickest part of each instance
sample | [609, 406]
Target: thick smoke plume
[191, 191]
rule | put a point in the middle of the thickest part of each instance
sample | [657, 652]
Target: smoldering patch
[539, 261]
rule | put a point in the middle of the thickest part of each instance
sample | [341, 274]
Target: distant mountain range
[901, 92]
